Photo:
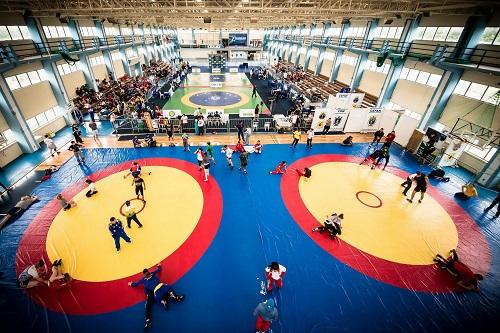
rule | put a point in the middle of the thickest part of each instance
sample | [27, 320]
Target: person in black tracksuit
[420, 186]
[77, 133]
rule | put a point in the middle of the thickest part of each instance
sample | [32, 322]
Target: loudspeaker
[346, 21]
[207, 20]
[388, 21]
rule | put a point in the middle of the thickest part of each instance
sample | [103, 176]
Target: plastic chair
[267, 125]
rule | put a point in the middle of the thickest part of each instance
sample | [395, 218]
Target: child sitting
[280, 169]
[258, 147]
[347, 141]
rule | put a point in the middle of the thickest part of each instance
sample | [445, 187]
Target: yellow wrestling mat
[397, 231]
[80, 236]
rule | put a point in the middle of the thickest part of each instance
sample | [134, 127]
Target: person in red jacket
[463, 274]
[274, 274]
[389, 139]
[280, 169]
[239, 147]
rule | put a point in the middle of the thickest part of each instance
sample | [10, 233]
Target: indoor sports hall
[248, 166]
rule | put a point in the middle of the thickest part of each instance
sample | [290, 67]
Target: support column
[36, 32]
[144, 46]
[473, 30]
[299, 44]
[309, 49]
[76, 35]
[322, 49]
[440, 98]
[359, 69]
[15, 119]
[339, 53]
[105, 53]
[392, 77]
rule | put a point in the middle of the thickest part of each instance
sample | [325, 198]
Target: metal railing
[19, 51]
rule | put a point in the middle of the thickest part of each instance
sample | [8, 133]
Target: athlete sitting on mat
[18, 209]
[463, 274]
[258, 147]
[161, 292]
[135, 170]
[280, 169]
[136, 142]
[32, 276]
[306, 173]
[347, 141]
[333, 224]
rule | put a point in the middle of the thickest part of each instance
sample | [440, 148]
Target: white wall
[35, 99]
[345, 74]
[72, 81]
[372, 82]
[195, 53]
[480, 113]
[118, 66]
[412, 95]
[10, 153]
[53, 126]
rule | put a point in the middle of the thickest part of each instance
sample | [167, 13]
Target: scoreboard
[216, 61]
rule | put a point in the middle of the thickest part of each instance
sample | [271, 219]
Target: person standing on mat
[240, 127]
[297, 134]
[256, 111]
[384, 154]
[244, 161]
[274, 274]
[140, 187]
[229, 156]
[266, 313]
[254, 91]
[389, 139]
[247, 134]
[409, 180]
[130, 214]
[92, 189]
[210, 151]
[115, 227]
[206, 166]
[494, 203]
[328, 124]
[378, 135]
[75, 148]
[77, 133]
[421, 182]
[185, 141]
[93, 128]
[50, 145]
[199, 157]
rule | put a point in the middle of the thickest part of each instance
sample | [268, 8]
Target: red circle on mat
[133, 199]
[364, 203]
[472, 246]
[87, 298]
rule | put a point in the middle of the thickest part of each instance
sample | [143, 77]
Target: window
[434, 80]
[461, 87]
[43, 118]
[97, 61]
[490, 36]
[60, 31]
[491, 95]
[388, 32]
[111, 31]
[66, 68]
[423, 77]
[485, 153]
[454, 34]
[420, 77]
[115, 56]
[476, 90]
[9, 136]
[126, 31]
[429, 33]
[449, 34]
[14, 32]
[88, 31]
[26, 79]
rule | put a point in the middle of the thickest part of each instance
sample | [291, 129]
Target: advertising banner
[372, 120]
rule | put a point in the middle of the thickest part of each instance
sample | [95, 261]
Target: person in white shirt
[409, 180]
[295, 117]
[50, 145]
[310, 136]
[274, 274]
[332, 224]
[92, 189]
[247, 134]
[199, 156]
[229, 156]
[201, 126]
[130, 214]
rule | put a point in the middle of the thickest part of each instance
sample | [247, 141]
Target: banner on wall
[452, 152]
[320, 117]
[372, 120]
[345, 101]
[339, 119]
[355, 100]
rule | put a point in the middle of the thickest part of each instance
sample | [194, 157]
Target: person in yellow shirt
[297, 134]
[468, 191]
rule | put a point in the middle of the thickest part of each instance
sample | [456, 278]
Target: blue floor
[26, 162]
[320, 294]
